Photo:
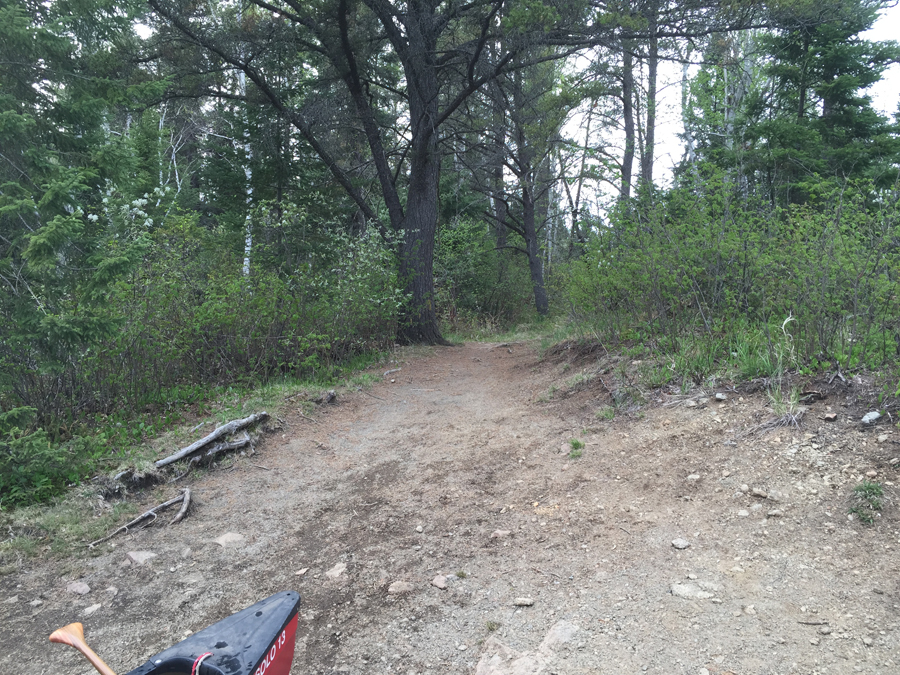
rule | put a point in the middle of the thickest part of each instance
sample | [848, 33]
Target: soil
[459, 466]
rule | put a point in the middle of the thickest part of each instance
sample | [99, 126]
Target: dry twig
[185, 496]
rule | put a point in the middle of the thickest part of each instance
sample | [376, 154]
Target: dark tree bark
[647, 155]
[533, 250]
[628, 121]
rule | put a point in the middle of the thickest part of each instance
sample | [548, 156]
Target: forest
[198, 195]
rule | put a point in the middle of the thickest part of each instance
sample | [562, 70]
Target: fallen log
[224, 430]
[184, 498]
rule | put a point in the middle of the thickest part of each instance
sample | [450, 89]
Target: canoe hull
[258, 640]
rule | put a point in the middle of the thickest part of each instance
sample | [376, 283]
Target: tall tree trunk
[532, 247]
[628, 120]
[650, 130]
[418, 322]
[498, 188]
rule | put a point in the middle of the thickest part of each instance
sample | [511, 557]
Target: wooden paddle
[73, 635]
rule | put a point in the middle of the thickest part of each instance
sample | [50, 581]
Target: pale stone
[336, 571]
[230, 540]
[440, 581]
[562, 632]
[690, 592]
[90, 610]
[523, 602]
[140, 557]
[400, 587]
[500, 534]
[78, 587]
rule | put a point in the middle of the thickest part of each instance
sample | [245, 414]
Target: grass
[868, 496]
[60, 528]
[607, 413]
[492, 626]
[577, 448]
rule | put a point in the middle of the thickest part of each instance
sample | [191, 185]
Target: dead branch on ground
[224, 430]
[184, 498]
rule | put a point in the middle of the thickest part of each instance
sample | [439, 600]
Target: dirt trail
[457, 468]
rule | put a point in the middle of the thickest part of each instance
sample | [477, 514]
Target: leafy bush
[475, 284]
[700, 271]
[32, 468]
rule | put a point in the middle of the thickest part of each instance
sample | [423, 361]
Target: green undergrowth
[37, 466]
[58, 528]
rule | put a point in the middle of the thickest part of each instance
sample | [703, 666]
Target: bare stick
[73, 635]
[231, 445]
[224, 430]
[143, 516]
[185, 503]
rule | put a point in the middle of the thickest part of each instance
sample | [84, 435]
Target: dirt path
[457, 469]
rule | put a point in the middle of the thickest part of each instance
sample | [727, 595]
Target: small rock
[690, 404]
[111, 591]
[301, 572]
[867, 641]
[690, 592]
[694, 477]
[721, 397]
[399, 587]
[37, 602]
[743, 513]
[745, 488]
[78, 587]
[230, 540]
[140, 557]
[814, 641]
[758, 492]
[561, 633]
[702, 401]
[756, 507]
[871, 473]
[825, 630]
[681, 544]
[523, 602]
[895, 461]
[830, 417]
[90, 610]
[420, 529]
[461, 648]
[336, 571]
[871, 418]
[750, 610]
[775, 513]
[882, 438]
[12, 600]
[500, 534]
[440, 581]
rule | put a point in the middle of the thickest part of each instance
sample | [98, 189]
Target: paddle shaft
[73, 635]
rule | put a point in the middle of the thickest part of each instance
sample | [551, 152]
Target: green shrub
[713, 278]
[32, 468]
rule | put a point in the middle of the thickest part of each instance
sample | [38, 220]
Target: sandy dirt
[458, 467]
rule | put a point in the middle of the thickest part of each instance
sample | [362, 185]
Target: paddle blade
[68, 635]
[73, 635]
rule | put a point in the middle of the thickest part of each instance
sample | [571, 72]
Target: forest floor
[454, 476]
